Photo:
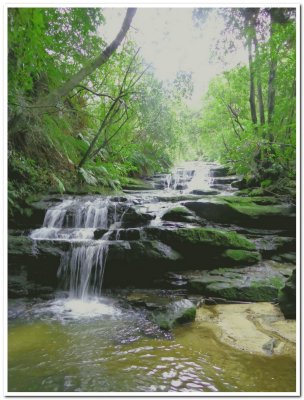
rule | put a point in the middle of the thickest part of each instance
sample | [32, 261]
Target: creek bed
[54, 347]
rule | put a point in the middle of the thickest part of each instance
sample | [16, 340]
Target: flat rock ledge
[257, 328]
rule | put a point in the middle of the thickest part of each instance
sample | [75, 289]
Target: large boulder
[261, 282]
[288, 298]
[207, 247]
[133, 218]
[139, 263]
[247, 212]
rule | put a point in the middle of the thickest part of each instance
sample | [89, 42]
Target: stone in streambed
[287, 297]
[133, 218]
[179, 214]
[176, 313]
[261, 282]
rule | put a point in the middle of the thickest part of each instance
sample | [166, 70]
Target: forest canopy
[86, 113]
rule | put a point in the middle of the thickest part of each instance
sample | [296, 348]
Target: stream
[81, 298]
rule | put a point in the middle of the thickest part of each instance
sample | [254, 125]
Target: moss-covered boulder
[179, 214]
[176, 313]
[207, 247]
[133, 218]
[240, 257]
[248, 212]
[261, 282]
[287, 297]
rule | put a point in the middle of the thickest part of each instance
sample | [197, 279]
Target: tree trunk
[252, 85]
[259, 82]
[52, 98]
[272, 73]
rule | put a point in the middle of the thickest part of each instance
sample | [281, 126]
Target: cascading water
[81, 268]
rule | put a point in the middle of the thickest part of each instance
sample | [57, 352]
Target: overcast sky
[170, 41]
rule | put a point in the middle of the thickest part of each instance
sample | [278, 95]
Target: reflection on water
[99, 347]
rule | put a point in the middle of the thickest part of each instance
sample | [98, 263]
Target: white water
[82, 269]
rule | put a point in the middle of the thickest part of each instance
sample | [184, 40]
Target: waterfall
[81, 269]
[74, 220]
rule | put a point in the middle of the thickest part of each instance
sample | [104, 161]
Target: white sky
[170, 41]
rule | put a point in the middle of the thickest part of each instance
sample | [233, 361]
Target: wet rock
[98, 233]
[133, 218]
[178, 214]
[119, 199]
[207, 247]
[245, 212]
[258, 283]
[138, 263]
[219, 171]
[287, 297]
[225, 181]
[129, 234]
[257, 328]
[273, 245]
[204, 192]
[240, 257]
[176, 313]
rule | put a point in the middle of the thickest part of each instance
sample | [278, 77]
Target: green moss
[188, 316]
[180, 213]
[242, 257]
[214, 237]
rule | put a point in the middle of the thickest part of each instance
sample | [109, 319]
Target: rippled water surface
[61, 346]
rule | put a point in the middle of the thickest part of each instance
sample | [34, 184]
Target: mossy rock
[178, 214]
[208, 237]
[261, 282]
[176, 313]
[241, 257]
[245, 212]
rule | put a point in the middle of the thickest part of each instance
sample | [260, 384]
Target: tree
[52, 98]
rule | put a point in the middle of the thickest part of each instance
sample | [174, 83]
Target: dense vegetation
[249, 113]
[116, 121]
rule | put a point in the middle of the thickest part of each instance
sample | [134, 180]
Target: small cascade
[82, 268]
[75, 220]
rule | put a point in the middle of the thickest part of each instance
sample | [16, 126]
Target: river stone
[178, 214]
[133, 218]
[176, 313]
[258, 283]
[287, 297]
